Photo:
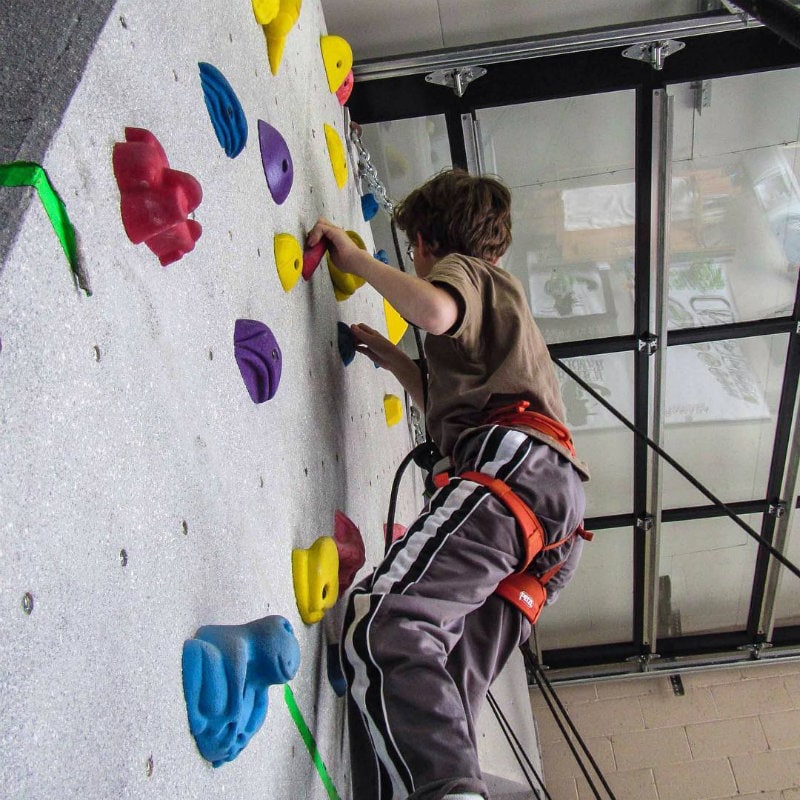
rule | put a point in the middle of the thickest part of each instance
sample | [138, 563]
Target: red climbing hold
[350, 545]
[155, 199]
[311, 258]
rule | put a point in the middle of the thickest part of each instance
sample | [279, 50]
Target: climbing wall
[142, 492]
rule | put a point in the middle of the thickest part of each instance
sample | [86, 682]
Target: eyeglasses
[410, 251]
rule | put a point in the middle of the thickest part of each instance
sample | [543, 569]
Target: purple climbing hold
[259, 358]
[276, 160]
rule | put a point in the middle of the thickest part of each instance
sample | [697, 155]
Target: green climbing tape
[308, 738]
[27, 173]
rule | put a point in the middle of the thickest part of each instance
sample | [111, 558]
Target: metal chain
[367, 171]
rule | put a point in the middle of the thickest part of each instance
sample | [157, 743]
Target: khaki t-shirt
[494, 356]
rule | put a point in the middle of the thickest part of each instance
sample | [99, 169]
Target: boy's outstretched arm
[383, 353]
[416, 300]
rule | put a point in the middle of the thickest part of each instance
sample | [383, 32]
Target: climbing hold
[227, 671]
[336, 155]
[345, 90]
[398, 531]
[337, 56]
[393, 409]
[258, 357]
[225, 110]
[346, 342]
[345, 283]
[315, 574]
[278, 29]
[155, 199]
[369, 206]
[265, 11]
[381, 255]
[350, 547]
[311, 258]
[28, 173]
[288, 259]
[276, 161]
[335, 673]
[396, 326]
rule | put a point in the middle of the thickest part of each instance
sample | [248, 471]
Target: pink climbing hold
[155, 199]
[398, 531]
[350, 545]
[344, 91]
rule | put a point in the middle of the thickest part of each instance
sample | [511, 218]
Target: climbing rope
[553, 703]
[516, 748]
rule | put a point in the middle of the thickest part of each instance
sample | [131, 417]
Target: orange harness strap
[529, 525]
[517, 414]
[521, 589]
[524, 591]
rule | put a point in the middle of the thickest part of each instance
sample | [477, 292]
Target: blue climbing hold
[225, 110]
[382, 255]
[335, 674]
[347, 343]
[227, 670]
[369, 206]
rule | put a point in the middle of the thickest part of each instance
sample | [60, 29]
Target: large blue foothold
[346, 342]
[227, 670]
[225, 110]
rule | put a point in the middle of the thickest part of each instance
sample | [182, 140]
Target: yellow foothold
[265, 10]
[393, 409]
[336, 154]
[345, 283]
[396, 326]
[315, 575]
[277, 31]
[288, 259]
[337, 56]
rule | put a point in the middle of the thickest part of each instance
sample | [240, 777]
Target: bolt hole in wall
[734, 253]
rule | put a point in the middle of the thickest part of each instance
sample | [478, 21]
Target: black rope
[545, 686]
[516, 747]
[682, 470]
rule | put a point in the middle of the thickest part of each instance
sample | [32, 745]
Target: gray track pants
[424, 637]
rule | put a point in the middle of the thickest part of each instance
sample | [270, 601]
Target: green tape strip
[27, 173]
[308, 738]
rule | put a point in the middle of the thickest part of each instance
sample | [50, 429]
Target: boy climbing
[426, 634]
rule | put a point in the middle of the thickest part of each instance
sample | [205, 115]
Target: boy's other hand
[374, 346]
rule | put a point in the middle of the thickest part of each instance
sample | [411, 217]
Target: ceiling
[382, 28]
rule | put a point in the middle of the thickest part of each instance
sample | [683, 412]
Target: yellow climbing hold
[337, 56]
[278, 29]
[393, 409]
[265, 10]
[396, 326]
[288, 259]
[345, 283]
[336, 154]
[315, 575]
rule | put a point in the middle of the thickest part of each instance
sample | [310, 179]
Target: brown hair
[456, 212]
